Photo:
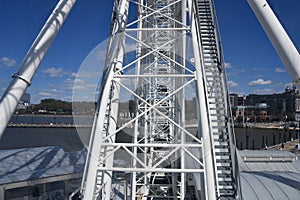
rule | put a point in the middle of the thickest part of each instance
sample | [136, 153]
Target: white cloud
[232, 84]
[279, 70]
[101, 55]
[259, 82]
[235, 72]
[79, 87]
[82, 85]
[228, 65]
[264, 91]
[57, 72]
[92, 86]
[88, 75]
[256, 69]
[79, 81]
[8, 62]
[259, 76]
[45, 94]
[68, 83]
[54, 72]
[54, 90]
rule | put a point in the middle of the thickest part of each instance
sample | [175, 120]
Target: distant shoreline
[271, 126]
[52, 125]
[55, 122]
[49, 115]
[49, 126]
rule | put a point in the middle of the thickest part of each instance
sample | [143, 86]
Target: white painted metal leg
[279, 38]
[22, 79]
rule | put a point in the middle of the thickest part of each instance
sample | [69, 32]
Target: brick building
[268, 107]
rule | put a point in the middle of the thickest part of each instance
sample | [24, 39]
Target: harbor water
[65, 135]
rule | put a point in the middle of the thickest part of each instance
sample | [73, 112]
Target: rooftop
[264, 174]
[269, 175]
[36, 163]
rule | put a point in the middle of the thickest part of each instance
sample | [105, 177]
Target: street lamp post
[298, 132]
[244, 98]
[247, 134]
[297, 118]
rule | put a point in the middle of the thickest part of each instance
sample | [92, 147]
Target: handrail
[231, 133]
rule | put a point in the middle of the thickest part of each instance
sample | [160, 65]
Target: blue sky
[252, 64]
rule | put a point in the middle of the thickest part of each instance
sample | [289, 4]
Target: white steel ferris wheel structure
[177, 54]
[160, 54]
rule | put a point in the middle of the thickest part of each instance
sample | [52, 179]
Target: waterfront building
[24, 102]
[233, 98]
[248, 113]
[266, 107]
[279, 105]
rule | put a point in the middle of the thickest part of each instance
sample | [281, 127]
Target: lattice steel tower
[164, 72]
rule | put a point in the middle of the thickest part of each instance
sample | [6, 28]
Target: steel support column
[22, 79]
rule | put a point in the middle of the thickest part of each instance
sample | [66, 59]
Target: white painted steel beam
[204, 126]
[149, 170]
[282, 43]
[161, 145]
[107, 110]
[22, 79]
[153, 29]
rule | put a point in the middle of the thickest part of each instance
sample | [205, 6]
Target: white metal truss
[155, 62]
[151, 153]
